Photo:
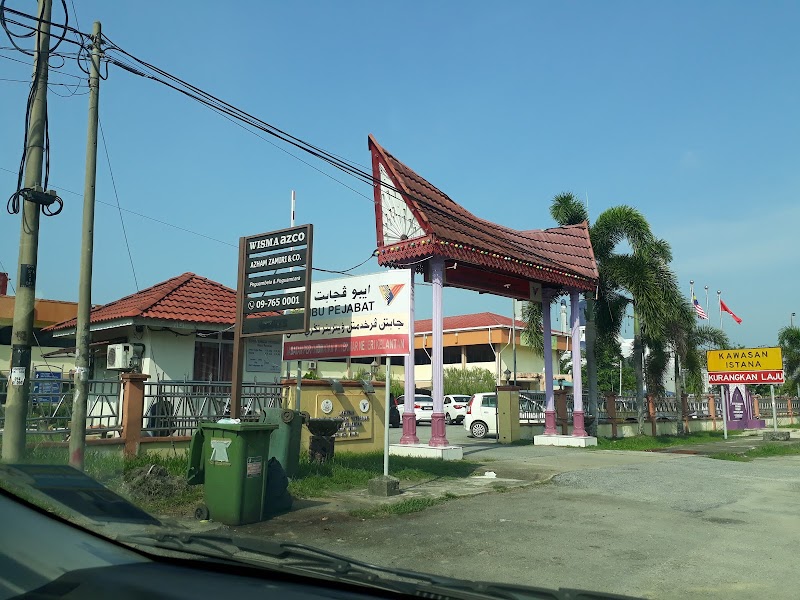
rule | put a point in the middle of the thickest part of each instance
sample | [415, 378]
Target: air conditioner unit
[118, 357]
[312, 365]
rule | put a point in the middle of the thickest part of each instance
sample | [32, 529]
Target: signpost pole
[238, 342]
[299, 385]
[774, 411]
[386, 416]
[724, 405]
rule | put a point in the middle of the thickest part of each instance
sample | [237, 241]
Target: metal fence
[175, 408]
[532, 406]
[50, 407]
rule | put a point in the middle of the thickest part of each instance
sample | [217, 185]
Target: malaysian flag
[701, 314]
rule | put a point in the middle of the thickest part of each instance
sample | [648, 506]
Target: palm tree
[640, 276]
[657, 303]
[688, 342]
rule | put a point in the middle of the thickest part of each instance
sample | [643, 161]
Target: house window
[480, 353]
[213, 357]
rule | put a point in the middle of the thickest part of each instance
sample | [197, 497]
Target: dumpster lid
[244, 426]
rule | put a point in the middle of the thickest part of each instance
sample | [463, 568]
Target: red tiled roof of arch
[557, 257]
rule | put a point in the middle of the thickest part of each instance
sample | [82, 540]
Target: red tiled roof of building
[188, 298]
[473, 321]
[558, 257]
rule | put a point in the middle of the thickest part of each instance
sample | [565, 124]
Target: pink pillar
[409, 419]
[438, 437]
[578, 429]
[547, 333]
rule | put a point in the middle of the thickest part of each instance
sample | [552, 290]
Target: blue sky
[685, 110]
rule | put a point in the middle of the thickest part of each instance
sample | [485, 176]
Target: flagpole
[719, 301]
[706, 299]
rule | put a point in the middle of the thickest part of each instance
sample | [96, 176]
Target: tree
[789, 341]
[533, 335]
[396, 386]
[635, 276]
[657, 304]
[686, 341]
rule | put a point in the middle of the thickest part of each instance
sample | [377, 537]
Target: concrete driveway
[638, 523]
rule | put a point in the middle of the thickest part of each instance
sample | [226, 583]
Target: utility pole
[22, 331]
[77, 439]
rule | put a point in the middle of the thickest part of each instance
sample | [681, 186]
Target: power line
[202, 235]
[53, 70]
[317, 169]
[28, 81]
[225, 108]
[116, 195]
[346, 166]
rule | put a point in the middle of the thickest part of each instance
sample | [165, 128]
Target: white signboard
[366, 315]
[17, 375]
[263, 356]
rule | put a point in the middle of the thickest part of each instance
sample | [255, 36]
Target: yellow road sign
[744, 359]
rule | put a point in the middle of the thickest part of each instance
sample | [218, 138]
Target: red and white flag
[724, 307]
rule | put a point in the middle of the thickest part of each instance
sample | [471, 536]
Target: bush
[468, 381]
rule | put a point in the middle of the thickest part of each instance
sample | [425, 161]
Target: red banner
[724, 378]
[342, 347]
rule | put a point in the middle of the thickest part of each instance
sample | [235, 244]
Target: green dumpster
[284, 443]
[231, 460]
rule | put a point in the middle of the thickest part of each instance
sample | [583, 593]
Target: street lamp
[507, 374]
[538, 377]
[373, 367]
[791, 320]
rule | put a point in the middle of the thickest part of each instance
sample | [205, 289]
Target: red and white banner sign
[728, 377]
[367, 315]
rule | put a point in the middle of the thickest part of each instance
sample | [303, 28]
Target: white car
[455, 408]
[423, 407]
[481, 417]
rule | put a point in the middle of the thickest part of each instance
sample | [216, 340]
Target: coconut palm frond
[566, 209]
[616, 224]
[533, 334]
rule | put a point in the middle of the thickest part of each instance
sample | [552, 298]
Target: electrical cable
[64, 27]
[116, 195]
[45, 201]
[214, 103]
[223, 107]
[67, 85]
[24, 62]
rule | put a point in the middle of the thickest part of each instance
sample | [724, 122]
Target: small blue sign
[46, 383]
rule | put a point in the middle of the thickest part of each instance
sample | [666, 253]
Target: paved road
[456, 434]
[644, 524]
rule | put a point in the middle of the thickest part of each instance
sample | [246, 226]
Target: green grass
[404, 507]
[346, 471]
[765, 451]
[647, 442]
[349, 471]
[115, 471]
